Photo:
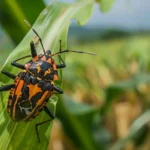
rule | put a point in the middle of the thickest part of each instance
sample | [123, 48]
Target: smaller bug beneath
[34, 85]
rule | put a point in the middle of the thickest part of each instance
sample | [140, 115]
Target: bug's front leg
[33, 54]
[14, 63]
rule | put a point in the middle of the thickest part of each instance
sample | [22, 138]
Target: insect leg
[33, 50]
[7, 87]
[63, 65]
[8, 74]
[48, 111]
[60, 49]
[36, 128]
[57, 89]
[14, 63]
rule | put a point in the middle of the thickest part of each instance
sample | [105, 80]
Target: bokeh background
[108, 95]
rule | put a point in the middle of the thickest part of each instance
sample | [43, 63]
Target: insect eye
[48, 52]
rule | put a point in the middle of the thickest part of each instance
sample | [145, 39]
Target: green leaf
[52, 25]
[77, 108]
[120, 87]
[106, 5]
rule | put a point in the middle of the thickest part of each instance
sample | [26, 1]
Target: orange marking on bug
[17, 92]
[33, 90]
[19, 87]
[38, 69]
[47, 72]
[40, 101]
[54, 66]
[49, 60]
[14, 110]
[35, 58]
[55, 77]
[43, 104]
[43, 58]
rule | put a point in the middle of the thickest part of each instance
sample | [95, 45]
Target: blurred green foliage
[13, 12]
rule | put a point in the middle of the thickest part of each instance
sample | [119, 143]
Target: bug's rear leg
[10, 75]
[48, 111]
[7, 87]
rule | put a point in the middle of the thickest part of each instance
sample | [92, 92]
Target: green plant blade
[13, 12]
[77, 108]
[118, 88]
[52, 25]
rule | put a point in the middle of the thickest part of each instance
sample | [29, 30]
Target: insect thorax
[43, 67]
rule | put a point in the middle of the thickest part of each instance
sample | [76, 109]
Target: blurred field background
[106, 96]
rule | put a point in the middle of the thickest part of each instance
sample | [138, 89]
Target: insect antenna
[28, 24]
[65, 51]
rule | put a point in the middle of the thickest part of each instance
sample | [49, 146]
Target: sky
[125, 14]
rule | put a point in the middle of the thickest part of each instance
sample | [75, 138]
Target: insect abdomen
[28, 97]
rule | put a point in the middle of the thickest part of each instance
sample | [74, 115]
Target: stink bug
[34, 85]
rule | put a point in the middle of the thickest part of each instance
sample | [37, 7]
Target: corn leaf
[52, 25]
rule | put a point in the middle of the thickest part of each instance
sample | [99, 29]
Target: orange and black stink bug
[34, 85]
